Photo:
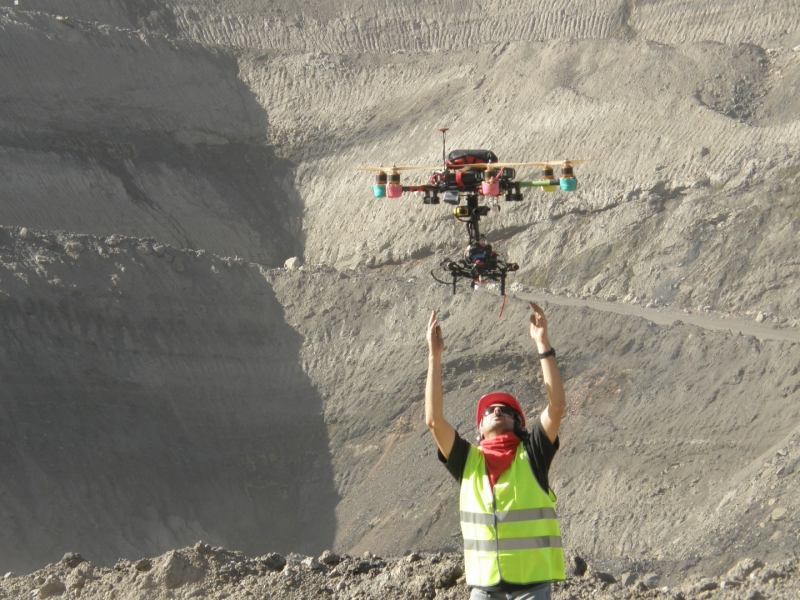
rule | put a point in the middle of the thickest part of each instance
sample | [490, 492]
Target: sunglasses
[506, 410]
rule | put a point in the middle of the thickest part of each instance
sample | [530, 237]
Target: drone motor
[547, 174]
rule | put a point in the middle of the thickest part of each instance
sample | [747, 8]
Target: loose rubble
[203, 571]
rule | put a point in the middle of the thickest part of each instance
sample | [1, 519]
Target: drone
[471, 175]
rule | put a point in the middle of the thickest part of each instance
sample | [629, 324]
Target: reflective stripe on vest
[513, 544]
[511, 532]
[532, 514]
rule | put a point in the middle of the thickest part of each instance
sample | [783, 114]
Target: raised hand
[434, 336]
[539, 328]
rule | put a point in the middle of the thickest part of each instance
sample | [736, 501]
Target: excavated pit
[163, 380]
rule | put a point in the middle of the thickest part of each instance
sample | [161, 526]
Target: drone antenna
[444, 146]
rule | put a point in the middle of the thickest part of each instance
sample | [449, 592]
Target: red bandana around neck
[499, 452]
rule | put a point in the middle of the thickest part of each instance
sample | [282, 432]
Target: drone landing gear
[479, 264]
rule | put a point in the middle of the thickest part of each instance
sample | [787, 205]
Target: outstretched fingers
[538, 323]
[538, 313]
[435, 341]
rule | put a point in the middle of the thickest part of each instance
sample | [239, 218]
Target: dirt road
[668, 316]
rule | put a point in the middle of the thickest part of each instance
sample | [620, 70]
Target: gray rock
[627, 579]
[158, 249]
[605, 577]
[293, 263]
[9, 575]
[313, 564]
[174, 570]
[76, 580]
[576, 566]
[52, 587]
[74, 247]
[651, 580]
[72, 560]
[743, 568]
[768, 575]
[329, 558]
[779, 514]
[122, 564]
[25, 234]
[274, 561]
[202, 548]
[704, 585]
[143, 565]
[290, 576]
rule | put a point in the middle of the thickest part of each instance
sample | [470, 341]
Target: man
[512, 542]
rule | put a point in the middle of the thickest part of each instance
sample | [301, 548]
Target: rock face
[96, 144]
[152, 402]
[164, 379]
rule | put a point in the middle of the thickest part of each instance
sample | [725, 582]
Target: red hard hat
[498, 398]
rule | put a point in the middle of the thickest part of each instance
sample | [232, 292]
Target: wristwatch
[551, 352]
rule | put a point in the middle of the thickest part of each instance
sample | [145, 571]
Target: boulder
[743, 568]
[52, 587]
[292, 264]
[329, 558]
[173, 570]
[72, 560]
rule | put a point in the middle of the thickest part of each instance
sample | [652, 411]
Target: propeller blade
[397, 168]
[500, 165]
[567, 161]
[551, 163]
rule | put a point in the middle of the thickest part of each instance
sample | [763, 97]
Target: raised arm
[442, 431]
[556, 399]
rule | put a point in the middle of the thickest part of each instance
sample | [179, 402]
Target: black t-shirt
[540, 452]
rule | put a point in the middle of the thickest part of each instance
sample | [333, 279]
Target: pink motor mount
[394, 190]
[490, 188]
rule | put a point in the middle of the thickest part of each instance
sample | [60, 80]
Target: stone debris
[72, 559]
[292, 263]
[203, 571]
[74, 247]
[143, 565]
[329, 558]
[52, 587]
[743, 569]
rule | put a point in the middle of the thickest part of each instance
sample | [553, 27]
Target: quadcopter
[471, 175]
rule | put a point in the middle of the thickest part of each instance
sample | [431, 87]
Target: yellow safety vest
[510, 532]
